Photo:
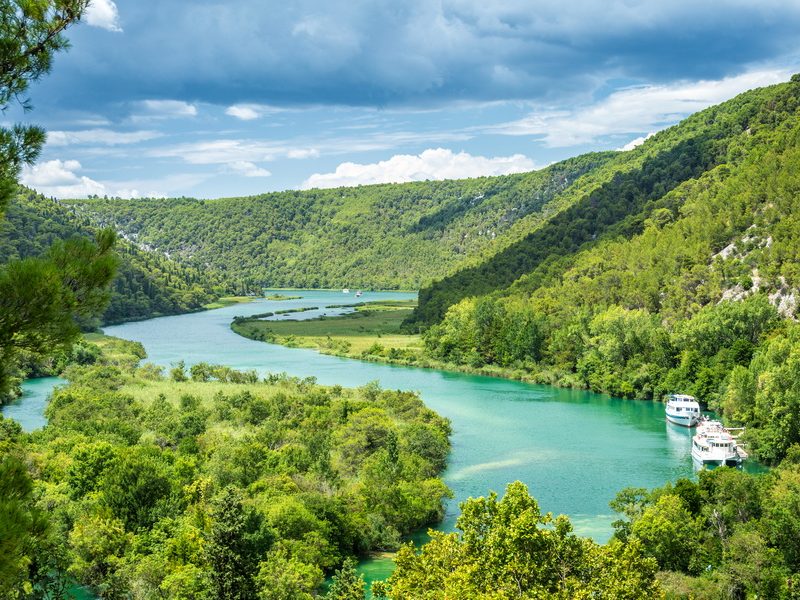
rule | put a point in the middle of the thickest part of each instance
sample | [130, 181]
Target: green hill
[681, 275]
[148, 284]
[616, 200]
[380, 236]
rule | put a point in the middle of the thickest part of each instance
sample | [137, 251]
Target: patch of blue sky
[217, 98]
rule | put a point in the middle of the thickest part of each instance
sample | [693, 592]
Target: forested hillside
[381, 236]
[617, 199]
[694, 289]
[147, 284]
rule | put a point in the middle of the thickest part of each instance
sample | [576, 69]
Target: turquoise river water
[574, 449]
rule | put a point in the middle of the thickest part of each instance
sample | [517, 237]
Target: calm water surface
[574, 449]
[28, 409]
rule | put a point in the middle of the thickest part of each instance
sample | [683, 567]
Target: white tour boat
[345, 291]
[713, 444]
[682, 410]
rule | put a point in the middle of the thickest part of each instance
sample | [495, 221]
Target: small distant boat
[715, 445]
[359, 293]
[345, 291]
[682, 410]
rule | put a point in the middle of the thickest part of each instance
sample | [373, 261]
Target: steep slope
[609, 201]
[699, 296]
[380, 236]
[148, 284]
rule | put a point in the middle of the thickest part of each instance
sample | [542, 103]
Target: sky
[222, 98]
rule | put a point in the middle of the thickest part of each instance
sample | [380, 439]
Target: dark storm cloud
[417, 52]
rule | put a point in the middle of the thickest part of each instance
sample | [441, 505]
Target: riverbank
[288, 450]
[229, 301]
[372, 333]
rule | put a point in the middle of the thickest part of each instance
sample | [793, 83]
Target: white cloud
[248, 169]
[222, 152]
[105, 137]
[59, 178]
[634, 110]
[243, 112]
[62, 179]
[301, 153]
[163, 109]
[636, 142]
[103, 14]
[226, 151]
[439, 163]
[250, 112]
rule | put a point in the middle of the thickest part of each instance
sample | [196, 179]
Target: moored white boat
[682, 410]
[715, 445]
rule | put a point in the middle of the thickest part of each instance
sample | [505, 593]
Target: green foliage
[22, 526]
[508, 549]
[730, 535]
[766, 396]
[283, 576]
[667, 532]
[223, 486]
[236, 541]
[393, 236]
[346, 583]
[44, 301]
[147, 283]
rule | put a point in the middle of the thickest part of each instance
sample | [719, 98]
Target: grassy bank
[372, 333]
[229, 301]
[351, 335]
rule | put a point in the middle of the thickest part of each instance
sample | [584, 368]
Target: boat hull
[683, 420]
[717, 461]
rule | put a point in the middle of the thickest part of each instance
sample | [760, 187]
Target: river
[574, 449]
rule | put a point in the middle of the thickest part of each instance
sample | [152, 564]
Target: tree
[21, 525]
[668, 533]
[508, 549]
[347, 584]
[31, 32]
[135, 486]
[285, 577]
[237, 541]
[42, 301]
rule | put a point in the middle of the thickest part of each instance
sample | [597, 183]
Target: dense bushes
[211, 489]
[728, 535]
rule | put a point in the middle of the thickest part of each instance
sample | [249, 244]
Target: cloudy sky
[214, 98]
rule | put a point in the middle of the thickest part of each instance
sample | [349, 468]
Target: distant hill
[380, 236]
[148, 284]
